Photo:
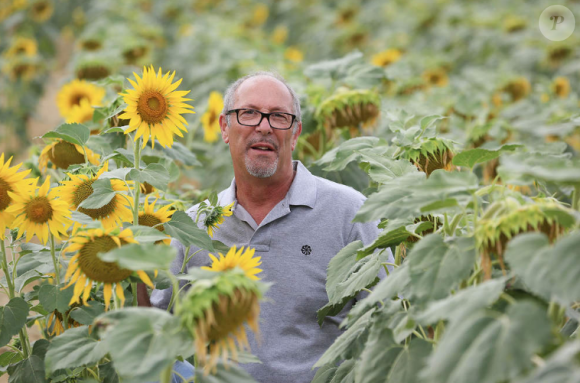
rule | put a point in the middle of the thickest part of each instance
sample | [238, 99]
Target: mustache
[262, 140]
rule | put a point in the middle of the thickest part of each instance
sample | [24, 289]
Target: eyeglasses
[252, 117]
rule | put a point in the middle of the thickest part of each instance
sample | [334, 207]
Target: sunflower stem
[191, 133]
[24, 343]
[166, 374]
[137, 185]
[398, 255]
[576, 197]
[5, 270]
[54, 261]
[134, 291]
[196, 366]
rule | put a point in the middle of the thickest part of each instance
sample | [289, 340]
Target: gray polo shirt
[296, 240]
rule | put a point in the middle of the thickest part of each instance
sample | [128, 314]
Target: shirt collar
[301, 192]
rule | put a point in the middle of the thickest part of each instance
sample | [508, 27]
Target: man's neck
[260, 196]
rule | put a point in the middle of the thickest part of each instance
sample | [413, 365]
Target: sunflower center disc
[65, 154]
[4, 197]
[152, 106]
[39, 210]
[96, 269]
[83, 192]
[150, 220]
[230, 313]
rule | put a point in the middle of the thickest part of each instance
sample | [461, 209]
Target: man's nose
[264, 127]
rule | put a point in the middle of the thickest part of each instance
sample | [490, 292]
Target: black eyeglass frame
[267, 115]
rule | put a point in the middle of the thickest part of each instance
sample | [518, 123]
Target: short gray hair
[230, 94]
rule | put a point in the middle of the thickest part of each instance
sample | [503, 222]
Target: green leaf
[324, 374]
[383, 168]
[489, 346]
[128, 157]
[450, 202]
[73, 133]
[13, 318]
[26, 278]
[103, 193]
[333, 68]
[143, 341]
[562, 367]
[428, 121]
[146, 234]
[409, 362]
[379, 353]
[87, 314]
[30, 370]
[397, 281]
[345, 372]
[7, 358]
[346, 276]
[179, 152]
[141, 257]
[230, 373]
[120, 174]
[53, 298]
[154, 174]
[542, 167]
[342, 344]
[84, 219]
[73, 348]
[184, 229]
[387, 238]
[472, 157]
[550, 271]
[463, 303]
[337, 158]
[402, 325]
[437, 266]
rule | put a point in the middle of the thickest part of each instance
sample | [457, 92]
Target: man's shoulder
[339, 193]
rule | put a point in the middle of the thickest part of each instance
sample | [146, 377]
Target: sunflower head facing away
[62, 154]
[429, 155]
[38, 211]
[386, 58]
[41, 10]
[436, 77]
[210, 119]
[79, 188]
[151, 217]
[73, 93]
[349, 109]
[510, 216]
[22, 46]
[561, 87]
[155, 107]
[215, 309]
[518, 88]
[215, 217]
[85, 267]
[13, 181]
[240, 258]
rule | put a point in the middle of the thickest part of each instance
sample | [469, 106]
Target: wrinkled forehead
[263, 92]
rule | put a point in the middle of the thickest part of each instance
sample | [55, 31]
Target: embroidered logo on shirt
[306, 250]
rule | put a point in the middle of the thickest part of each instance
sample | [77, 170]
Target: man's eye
[249, 113]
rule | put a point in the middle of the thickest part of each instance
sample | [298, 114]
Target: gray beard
[261, 170]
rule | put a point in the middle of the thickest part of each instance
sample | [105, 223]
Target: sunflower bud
[429, 155]
[349, 109]
[506, 218]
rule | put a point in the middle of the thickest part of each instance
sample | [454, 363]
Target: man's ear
[223, 127]
[296, 135]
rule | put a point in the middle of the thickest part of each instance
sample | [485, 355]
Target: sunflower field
[459, 120]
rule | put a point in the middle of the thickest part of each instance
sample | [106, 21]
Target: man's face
[260, 150]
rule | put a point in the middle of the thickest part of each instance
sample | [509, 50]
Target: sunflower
[349, 109]
[54, 326]
[215, 309]
[518, 88]
[436, 77]
[11, 180]
[23, 46]
[147, 188]
[242, 259]
[79, 188]
[154, 107]
[85, 267]
[280, 34]
[561, 87]
[41, 10]
[151, 217]
[293, 54]
[386, 58]
[39, 211]
[429, 155]
[93, 67]
[260, 14]
[215, 217]
[62, 154]
[210, 119]
[74, 92]
[81, 113]
[508, 217]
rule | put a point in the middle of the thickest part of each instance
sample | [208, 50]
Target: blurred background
[484, 65]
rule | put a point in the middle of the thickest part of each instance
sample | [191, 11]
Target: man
[295, 221]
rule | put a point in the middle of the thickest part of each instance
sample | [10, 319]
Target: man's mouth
[263, 147]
